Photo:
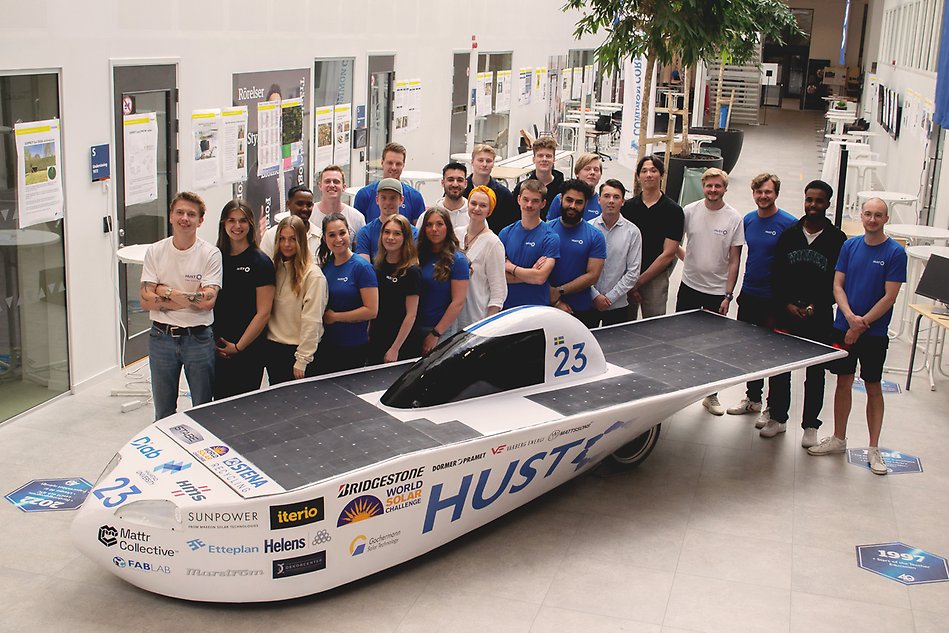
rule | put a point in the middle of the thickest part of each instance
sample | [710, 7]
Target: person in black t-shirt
[545, 149]
[660, 220]
[243, 304]
[506, 211]
[397, 271]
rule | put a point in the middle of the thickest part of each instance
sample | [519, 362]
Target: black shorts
[869, 350]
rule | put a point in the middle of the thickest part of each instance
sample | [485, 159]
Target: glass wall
[34, 363]
[333, 86]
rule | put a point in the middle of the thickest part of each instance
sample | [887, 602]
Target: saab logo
[196, 544]
[880, 262]
[343, 279]
[246, 472]
[144, 446]
[108, 535]
[322, 537]
[299, 565]
[772, 233]
[531, 244]
[272, 546]
[185, 487]
[499, 449]
[358, 545]
[296, 514]
[186, 434]
[171, 467]
[378, 482]
[360, 509]
[211, 452]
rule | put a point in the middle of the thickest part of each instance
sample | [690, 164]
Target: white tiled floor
[718, 531]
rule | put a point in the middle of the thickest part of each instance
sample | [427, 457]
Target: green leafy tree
[687, 31]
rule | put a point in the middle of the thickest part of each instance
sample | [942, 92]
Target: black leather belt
[173, 330]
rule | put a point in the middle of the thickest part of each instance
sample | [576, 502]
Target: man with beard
[714, 236]
[300, 204]
[582, 254]
[545, 150]
[531, 249]
[482, 162]
[453, 203]
[393, 162]
[589, 169]
[803, 282]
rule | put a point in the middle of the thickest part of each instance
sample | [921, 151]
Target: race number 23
[576, 364]
[122, 491]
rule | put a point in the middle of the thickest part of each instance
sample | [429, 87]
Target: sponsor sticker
[297, 565]
[296, 514]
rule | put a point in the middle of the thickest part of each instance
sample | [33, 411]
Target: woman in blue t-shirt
[353, 300]
[243, 305]
[444, 275]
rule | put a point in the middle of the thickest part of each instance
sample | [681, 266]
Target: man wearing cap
[393, 162]
[181, 277]
[453, 202]
[531, 247]
[389, 201]
[300, 204]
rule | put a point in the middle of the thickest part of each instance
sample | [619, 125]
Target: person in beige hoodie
[296, 321]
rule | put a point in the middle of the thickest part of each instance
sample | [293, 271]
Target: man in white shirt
[332, 182]
[624, 246]
[300, 204]
[453, 202]
[714, 235]
[181, 277]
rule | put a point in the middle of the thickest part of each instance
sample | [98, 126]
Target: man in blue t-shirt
[393, 162]
[870, 269]
[763, 227]
[582, 255]
[531, 250]
[389, 201]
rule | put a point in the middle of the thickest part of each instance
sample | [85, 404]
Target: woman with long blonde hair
[397, 272]
[296, 321]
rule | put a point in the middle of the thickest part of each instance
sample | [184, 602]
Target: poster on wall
[342, 124]
[401, 106]
[268, 139]
[206, 147]
[291, 134]
[414, 101]
[485, 83]
[588, 80]
[540, 85]
[566, 83]
[324, 138]
[525, 84]
[576, 89]
[502, 101]
[869, 101]
[633, 103]
[263, 189]
[140, 132]
[234, 144]
[39, 190]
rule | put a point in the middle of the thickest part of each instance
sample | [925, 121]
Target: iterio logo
[389, 479]
[186, 434]
[296, 514]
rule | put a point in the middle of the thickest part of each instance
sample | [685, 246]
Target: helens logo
[360, 509]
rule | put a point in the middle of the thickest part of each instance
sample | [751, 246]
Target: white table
[351, 192]
[864, 135]
[916, 234]
[913, 234]
[134, 254]
[417, 178]
[840, 118]
[864, 167]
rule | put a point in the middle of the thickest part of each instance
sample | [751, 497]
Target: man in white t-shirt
[300, 204]
[714, 235]
[180, 281]
[332, 182]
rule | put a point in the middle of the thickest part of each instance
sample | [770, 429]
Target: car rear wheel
[635, 452]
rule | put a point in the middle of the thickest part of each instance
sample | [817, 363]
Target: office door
[381, 86]
[140, 90]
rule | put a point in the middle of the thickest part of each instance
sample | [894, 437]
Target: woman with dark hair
[243, 305]
[398, 276]
[296, 322]
[353, 299]
[444, 270]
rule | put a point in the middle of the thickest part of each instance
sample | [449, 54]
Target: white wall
[210, 40]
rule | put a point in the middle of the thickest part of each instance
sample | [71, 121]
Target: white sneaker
[828, 446]
[772, 428]
[877, 465]
[745, 406]
[810, 438]
[713, 406]
[763, 418]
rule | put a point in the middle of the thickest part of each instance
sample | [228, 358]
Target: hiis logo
[360, 509]
[185, 487]
[108, 535]
[358, 545]
[296, 514]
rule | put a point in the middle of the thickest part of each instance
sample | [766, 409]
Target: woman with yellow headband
[487, 288]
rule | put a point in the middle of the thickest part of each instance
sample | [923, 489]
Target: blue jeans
[166, 356]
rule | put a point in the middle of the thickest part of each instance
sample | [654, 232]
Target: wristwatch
[730, 295]
[435, 333]
[561, 291]
[168, 292]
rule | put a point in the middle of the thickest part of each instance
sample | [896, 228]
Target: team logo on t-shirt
[880, 262]
[720, 232]
[771, 232]
[580, 242]
[342, 279]
[394, 280]
[531, 244]
[243, 269]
